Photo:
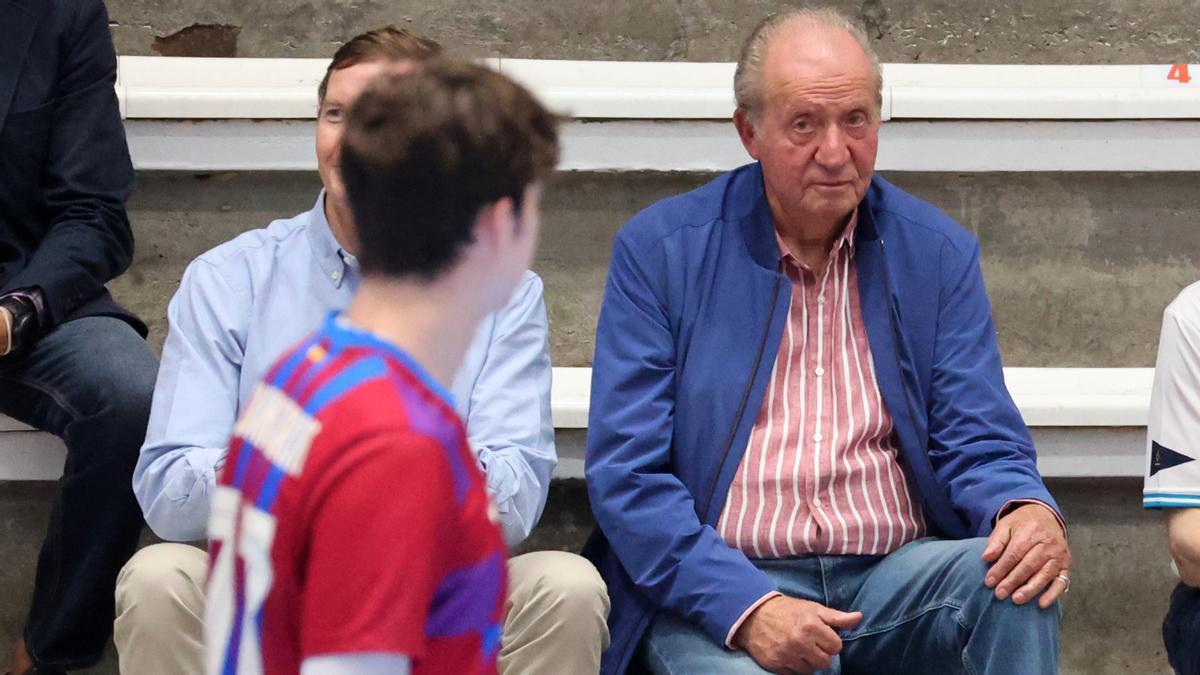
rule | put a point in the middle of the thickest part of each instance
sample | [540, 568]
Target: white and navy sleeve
[1173, 430]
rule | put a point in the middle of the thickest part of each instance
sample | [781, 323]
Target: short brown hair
[424, 152]
[382, 44]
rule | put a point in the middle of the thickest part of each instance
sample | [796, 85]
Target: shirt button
[820, 299]
[819, 371]
[335, 275]
[817, 501]
[817, 437]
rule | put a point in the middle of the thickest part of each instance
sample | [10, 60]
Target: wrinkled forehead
[833, 93]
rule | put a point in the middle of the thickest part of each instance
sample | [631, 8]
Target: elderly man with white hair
[801, 453]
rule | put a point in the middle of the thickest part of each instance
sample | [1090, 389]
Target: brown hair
[424, 152]
[382, 44]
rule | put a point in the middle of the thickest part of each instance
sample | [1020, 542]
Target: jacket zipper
[737, 420]
[712, 488]
[893, 315]
[897, 336]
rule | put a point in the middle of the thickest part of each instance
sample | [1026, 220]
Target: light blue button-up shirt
[242, 304]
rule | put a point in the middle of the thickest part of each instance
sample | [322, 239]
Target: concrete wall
[1079, 266]
[934, 31]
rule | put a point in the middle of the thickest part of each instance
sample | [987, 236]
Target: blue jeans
[1181, 630]
[925, 610]
[89, 382]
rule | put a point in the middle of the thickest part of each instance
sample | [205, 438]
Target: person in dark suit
[72, 361]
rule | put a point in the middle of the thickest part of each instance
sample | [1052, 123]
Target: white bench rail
[1047, 397]
[1086, 422]
[254, 88]
[247, 114]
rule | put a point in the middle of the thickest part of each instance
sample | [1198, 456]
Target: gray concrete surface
[1079, 266]
[928, 31]
[1112, 617]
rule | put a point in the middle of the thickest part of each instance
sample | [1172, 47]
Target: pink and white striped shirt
[820, 473]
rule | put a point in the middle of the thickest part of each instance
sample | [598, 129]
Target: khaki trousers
[557, 622]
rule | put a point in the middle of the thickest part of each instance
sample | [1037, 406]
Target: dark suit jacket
[65, 170]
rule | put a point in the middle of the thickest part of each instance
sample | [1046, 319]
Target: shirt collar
[844, 241]
[342, 329]
[336, 263]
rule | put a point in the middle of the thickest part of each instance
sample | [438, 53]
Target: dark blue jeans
[925, 610]
[88, 382]
[1181, 630]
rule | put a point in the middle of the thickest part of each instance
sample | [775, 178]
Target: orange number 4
[1179, 73]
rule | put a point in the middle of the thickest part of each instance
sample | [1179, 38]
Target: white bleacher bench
[156, 87]
[1085, 422]
[214, 114]
[26, 454]
[1047, 397]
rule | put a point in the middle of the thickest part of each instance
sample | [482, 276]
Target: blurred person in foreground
[351, 529]
[239, 307]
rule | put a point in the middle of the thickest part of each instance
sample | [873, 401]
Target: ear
[495, 221]
[746, 131]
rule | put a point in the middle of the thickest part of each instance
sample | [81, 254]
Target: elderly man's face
[817, 131]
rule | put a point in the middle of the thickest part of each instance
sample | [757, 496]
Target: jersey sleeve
[1173, 429]
[377, 515]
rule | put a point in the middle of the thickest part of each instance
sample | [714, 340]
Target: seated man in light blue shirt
[244, 302]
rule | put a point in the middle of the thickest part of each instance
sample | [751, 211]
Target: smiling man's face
[344, 87]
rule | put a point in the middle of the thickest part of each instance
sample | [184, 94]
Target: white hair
[747, 80]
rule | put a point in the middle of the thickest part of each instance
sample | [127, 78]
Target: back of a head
[425, 151]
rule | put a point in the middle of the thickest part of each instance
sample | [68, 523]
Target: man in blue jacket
[801, 452]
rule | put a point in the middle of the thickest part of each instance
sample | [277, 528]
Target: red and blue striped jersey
[351, 517]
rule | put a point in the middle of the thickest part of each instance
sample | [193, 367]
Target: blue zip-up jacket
[694, 309]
